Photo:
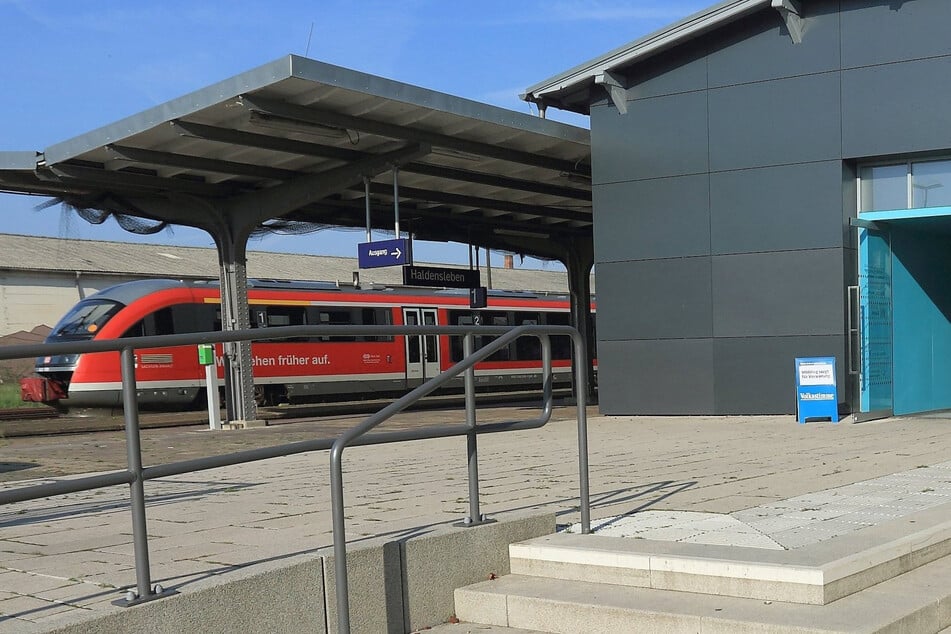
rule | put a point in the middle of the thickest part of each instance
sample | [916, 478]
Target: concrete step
[918, 601]
[474, 628]
[816, 574]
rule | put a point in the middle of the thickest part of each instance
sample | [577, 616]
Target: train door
[422, 351]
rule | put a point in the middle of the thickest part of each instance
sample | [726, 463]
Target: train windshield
[85, 319]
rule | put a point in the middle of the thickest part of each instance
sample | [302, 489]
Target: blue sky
[73, 66]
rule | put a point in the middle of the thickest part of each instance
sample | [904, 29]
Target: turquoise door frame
[903, 312]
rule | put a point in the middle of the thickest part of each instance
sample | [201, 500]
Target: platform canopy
[295, 145]
[286, 146]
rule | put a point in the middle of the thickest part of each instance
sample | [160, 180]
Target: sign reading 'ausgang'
[433, 276]
[372, 255]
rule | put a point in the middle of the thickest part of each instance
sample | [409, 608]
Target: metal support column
[472, 438]
[579, 260]
[239, 377]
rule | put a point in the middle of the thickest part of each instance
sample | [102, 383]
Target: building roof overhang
[572, 90]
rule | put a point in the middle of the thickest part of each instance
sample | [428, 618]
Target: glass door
[871, 328]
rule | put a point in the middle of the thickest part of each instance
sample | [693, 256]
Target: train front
[55, 372]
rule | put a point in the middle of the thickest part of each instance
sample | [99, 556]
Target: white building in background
[41, 278]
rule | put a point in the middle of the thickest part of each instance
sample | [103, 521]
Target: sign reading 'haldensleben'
[433, 276]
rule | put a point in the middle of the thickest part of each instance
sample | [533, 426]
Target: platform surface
[764, 482]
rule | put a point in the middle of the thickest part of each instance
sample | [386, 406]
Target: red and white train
[291, 370]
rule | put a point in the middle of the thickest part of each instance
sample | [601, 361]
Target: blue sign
[373, 255]
[816, 395]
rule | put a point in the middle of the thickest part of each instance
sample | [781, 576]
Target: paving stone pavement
[794, 522]
[764, 478]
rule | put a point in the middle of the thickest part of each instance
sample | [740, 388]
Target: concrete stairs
[894, 577]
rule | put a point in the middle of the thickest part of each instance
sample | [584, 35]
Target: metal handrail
[136, 474]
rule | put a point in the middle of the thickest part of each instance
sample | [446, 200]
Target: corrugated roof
[54, 255]
[295, 138]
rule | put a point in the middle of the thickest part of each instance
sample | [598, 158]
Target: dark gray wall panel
[883, 32]
[656, 377]
[775, 122]
[663, 136]
[654, 299]
[778, 294]
[896, 108]
[757, 375]
[776, 208]
[849, 204]
[759, 48]
[662, 218]
[678, 71]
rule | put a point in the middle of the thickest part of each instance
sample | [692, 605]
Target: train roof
[127, 292]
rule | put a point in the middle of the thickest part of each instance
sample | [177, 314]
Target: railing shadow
[60, 511]
[135, 474]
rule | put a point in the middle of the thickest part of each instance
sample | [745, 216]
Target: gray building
[772, 181]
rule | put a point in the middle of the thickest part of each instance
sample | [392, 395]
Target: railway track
[27, 413]
[21, 422]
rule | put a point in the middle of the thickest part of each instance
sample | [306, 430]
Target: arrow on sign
[384, 253]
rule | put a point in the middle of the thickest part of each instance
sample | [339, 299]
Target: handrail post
[336, 468]
[548, 376]
[140, 536]
[340, 538]
[472, 438]
[581, 392]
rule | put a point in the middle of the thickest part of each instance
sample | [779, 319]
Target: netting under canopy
[99, 211]
[95, 214]
[280, 226]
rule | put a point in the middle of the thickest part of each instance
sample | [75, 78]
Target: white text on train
[283, 360]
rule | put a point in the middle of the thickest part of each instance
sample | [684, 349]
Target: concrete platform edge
[395, 586]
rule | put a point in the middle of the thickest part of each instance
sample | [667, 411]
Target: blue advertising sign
[816, 395]
[373, 255]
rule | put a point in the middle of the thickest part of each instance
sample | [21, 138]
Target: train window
[458, 318]
[196, 318]
[527, 347]
[85, 319]
[278, 316]
[135, 330]
[335, 317]
[504, 354]
[494, 318]
[524, 348]
[376, 317]
[355, 316]
[158, 323]
[560, 345]
[286, 316]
